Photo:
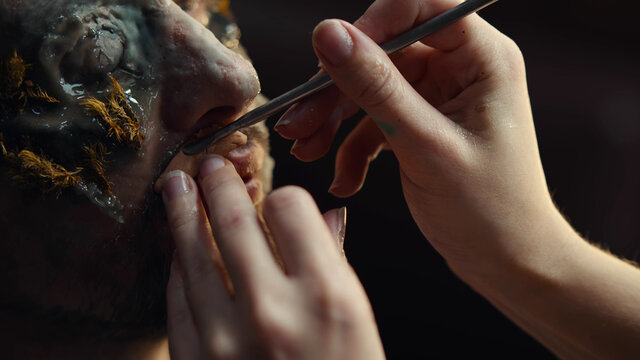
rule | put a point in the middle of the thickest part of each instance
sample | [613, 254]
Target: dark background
[583, 81]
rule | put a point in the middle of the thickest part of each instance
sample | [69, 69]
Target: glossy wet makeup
[154, 66]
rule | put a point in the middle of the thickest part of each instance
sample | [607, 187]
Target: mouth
[245, 149]
[248, 161]
[239, 148]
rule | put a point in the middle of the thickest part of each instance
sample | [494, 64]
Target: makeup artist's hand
[455, 111]
[316, 310]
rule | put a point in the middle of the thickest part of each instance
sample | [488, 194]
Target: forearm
[576, 299]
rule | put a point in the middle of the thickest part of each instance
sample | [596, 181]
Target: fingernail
[175, 184]
[287, 118]
[210, 164]
[333, 42]
[334, 186]
[342, 227]
[297, 145]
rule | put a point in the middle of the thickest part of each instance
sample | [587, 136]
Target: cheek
[132, 172]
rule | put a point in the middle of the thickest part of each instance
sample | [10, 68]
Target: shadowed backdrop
[584, 86]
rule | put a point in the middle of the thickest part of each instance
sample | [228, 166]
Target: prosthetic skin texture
[96, 104]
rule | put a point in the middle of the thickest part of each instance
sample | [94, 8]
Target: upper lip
[241, 159]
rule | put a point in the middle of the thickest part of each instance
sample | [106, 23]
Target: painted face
[94, 106]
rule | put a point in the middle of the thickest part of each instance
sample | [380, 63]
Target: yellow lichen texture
[12, 74]
[96, 158]
[3, 149]
[224, 8]
[220, 6]
[35, 169]
[30, 169]
[15, 90]
[37, 93]
[117, 115]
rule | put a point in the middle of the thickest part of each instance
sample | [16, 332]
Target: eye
[99, 51]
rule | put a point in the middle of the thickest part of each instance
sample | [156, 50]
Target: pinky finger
[355, 154]
[184, 342]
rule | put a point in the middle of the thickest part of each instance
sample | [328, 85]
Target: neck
[27, 338]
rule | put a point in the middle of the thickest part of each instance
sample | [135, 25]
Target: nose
[203, 82]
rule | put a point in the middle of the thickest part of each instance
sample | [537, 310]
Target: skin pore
[72, 272]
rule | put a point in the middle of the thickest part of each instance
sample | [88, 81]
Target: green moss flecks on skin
[386, 128]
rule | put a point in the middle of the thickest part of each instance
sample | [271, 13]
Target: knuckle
[512, 58]
[334, 307]
[380, 87]
[184, 218]
[197, 271]
[234, 216]
[174, 286]
[217, 183]
[221, 345]
[180, 316]
[278, 334]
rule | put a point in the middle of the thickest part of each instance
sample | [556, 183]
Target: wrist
[576, 299]
[536, 254]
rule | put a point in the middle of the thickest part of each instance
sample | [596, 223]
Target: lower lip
[254, 189]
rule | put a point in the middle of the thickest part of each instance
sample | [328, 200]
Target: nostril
[216, 118]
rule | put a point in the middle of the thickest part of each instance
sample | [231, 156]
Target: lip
[248, 162]
[241, 150]
[254, 188]
[242, 159]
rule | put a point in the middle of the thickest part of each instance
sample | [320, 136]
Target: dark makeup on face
[99, 61]
[59, 252]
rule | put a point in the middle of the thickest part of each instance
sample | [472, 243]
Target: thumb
[364, 73]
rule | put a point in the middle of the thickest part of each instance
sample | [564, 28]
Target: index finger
[236, 228]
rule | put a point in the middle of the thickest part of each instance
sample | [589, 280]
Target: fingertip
[211, 164]
[175, 184]
[344, 190]
[333, 42]
[318, 144]
[290, 199]
[279, 195]
[283, 124]
[305, 118]
[303, 152]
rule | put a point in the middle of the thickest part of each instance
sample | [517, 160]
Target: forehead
[47, 10]
[34, 17]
